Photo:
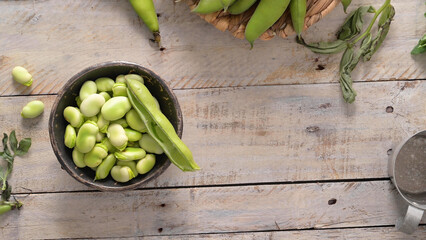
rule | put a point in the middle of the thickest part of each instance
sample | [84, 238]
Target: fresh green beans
[92, 105]
[78, 158]
[122, 173]
[96, 155]
[208, 6]
[88, 88]
[240, 6]
[150, 145]
[104, 84]
[133, 135]
[86, 137]
[265, 15]
[5, 208]
[102, 123]
[105, 95]
[159, 127]
[117, 136]
[109, 145]
[119, 89]
[146, 11]
[33, 109]
[70, 136]
[146, 164]
[135, 122]
[298, 12]
[22, 76]
[130, 164]
[120, 78]
[130, 154]
[134, 77]
[121, 121]
[115, 108]
[105, 167]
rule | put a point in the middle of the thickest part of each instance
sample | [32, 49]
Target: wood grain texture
[202, 210]
[56, 39]
[388, 233]
[257, 134]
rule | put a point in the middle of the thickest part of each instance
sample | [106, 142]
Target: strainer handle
[410, 222]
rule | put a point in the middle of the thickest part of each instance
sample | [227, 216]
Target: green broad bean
[22, 76]
[105, 95]
[104, 84]
[134, 77]
[70, 136]
[88, 88]
[133, 144]
[122, 122]
[102, 123]
[146, 164]
[117, 136]
[100, 136]
[96, 155]
[119, 89]
[150, 145]
[105, 167]
[159, 127]
[73, 116]
[241, 6]
[133, 135]
[298, 12]
[92, 105]
[86, 137]
[135, 122]
[146, 11]
[208, 6]
[78, 158]
[109, 145]
[122, 174]
[265, 15]
[115, 108]
[78, 101]
[130, 154]
[130, 164]
[33, 109]
[120, 78]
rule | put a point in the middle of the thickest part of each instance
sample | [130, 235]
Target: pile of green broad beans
[118, 129]
[267, 12]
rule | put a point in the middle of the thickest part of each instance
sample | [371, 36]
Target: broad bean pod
[298, 12]
[241, 6]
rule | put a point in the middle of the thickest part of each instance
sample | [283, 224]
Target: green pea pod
[159, 127]
[208, 6]
[241, 6]
[146, 11]
[298, 12]
[105, 167]
[5, 208]
[265, 15]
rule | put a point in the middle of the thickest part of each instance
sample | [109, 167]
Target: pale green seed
[134, 77]
[33, 109]
[105, 95]
[150, 145]
[105, 167]
[133, 135]
[96, 155]
[120, 78]
[104, 84]
[130, 164]
[78, 158]
[88, 88]
[117, 136]
[92, 105]
[130, 154]
[86, 137]
[146, 164]
[70, 136]
[119, 89]
[22, 76]
[116, 108]
[73, 116]
[135, 122]
[122, 174]
[102, 123]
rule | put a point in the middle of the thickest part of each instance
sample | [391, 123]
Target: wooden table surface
[282, 156]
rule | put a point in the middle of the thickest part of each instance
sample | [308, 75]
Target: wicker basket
[236, 24]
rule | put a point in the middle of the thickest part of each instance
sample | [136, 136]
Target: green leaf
[382, 32]
[420, 47]
[324, 47]
[24, 145]
[346, 4]
[353, 23]
[5, 146]
[12, 141]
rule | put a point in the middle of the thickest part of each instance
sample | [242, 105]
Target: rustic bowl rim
[77, 77]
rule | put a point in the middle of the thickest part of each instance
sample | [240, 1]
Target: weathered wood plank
[56, 39]
[202, 210]
[354, 233]
[257, 134]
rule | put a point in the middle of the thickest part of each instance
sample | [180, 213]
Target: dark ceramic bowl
[66, 97]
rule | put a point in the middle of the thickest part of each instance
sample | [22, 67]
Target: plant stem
[380, 10]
